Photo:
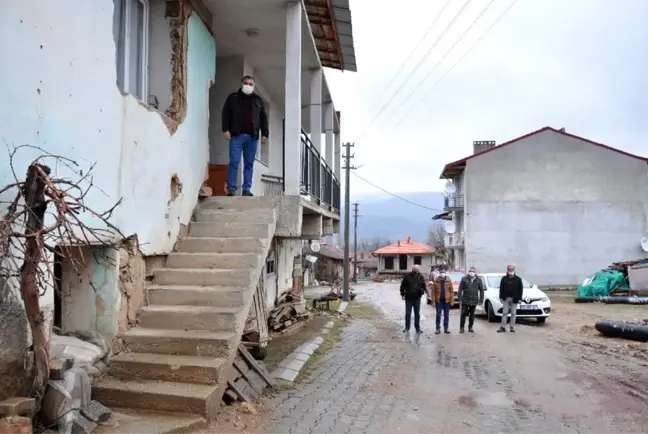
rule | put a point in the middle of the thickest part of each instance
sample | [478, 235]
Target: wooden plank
[245, 373]
[238, 391]
[254, 365]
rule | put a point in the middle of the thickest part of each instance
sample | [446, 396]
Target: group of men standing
[440, 291]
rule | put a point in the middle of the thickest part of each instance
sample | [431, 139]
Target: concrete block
[239, 203]
[292, 363]
[312, 226]
[327, 226]
[181, 295]
[232, 229]
[181, 342]
[266, 216]
[18, 406]
[213, 260]
[317, 341]
[299, 356]
[189, 318]
[58, 367]
[308, 349]
[96, 412]
[165, 367]
[204, 277]
[285, 374]
[81, 425]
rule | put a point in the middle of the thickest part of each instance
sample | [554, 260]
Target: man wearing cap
[510, 294]
[442, 297]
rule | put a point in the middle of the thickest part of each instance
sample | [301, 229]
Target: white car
[534, 303]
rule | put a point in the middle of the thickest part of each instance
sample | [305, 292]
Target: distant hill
[390, 218]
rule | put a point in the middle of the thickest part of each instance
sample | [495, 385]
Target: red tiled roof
[405, 247]
[456, 166]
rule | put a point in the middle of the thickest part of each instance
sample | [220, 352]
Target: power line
[420, 62]
[458, 61]
[439, 63]
[402, 65]
[395, 195]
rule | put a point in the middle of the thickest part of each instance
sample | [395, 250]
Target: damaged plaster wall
[287, 249]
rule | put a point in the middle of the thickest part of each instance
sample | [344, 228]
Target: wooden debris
[290, 309]
[248, 379]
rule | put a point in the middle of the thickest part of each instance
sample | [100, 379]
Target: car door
[480, 307]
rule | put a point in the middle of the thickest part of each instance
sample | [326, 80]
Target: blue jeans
[242, 144]
[413, 304]
[442, 307]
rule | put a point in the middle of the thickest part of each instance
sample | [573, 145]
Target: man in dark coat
[510, 294]
[244, 115]
[412, 289]
[471, 293]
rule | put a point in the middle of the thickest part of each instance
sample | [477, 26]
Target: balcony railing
[317, 179]
[454, 240]
[453, 201]
[272, 185]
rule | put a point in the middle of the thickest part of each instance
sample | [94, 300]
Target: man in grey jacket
[471, 293]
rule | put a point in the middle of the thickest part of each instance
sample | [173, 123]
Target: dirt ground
[560, 377]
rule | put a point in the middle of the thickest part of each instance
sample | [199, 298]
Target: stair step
[156, 395]
[165, 367]
[187, 295]
[203, 277]
[222, 245]
[213, 260]
[234, 202]
[239, 215]
[181, 342]
[189, 317]
[230, 229]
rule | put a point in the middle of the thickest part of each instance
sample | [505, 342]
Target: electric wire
[415, 105]
[394, 194]
[420, 62]
[436, 66]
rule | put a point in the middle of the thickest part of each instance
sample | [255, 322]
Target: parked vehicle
[534, 304]
[456, 279]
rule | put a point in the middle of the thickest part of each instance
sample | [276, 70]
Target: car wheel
[490, 312]
[542, 319]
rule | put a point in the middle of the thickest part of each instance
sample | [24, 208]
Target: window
[389, 262]
[270, 266]
[132, 22]
[418, 260]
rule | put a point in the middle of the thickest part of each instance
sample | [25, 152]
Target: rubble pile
[289, 313]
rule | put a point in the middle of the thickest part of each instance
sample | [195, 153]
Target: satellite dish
[450, 227]
[644, 244]
[315, 246]
[312, 259]
[450, 187]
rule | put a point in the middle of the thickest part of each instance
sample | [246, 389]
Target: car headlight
[544, 299]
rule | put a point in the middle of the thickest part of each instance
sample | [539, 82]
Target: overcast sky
[578, 64]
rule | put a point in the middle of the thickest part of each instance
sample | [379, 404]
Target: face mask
[471, 273]
[247, 89]
[510, 273]
[442, 275]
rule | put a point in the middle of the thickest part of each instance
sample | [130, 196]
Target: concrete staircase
[178, 356]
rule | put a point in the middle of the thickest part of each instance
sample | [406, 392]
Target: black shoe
[438, 332]
[471, 330]
[405, 330]
[419, 331]
[247, 193]
[446, 331]
[461, 330]
[512, 330]
[230, 193]
[501, 330]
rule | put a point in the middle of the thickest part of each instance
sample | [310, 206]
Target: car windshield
[456, 277]
[494, 282]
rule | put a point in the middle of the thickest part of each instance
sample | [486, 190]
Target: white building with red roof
[401, 256]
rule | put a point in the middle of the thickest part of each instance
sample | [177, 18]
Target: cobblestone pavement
[376, 380]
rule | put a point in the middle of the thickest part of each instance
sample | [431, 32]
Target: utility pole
[355, 241]
[347, 203]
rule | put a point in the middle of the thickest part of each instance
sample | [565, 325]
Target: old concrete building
[557, 205]
[141, 95]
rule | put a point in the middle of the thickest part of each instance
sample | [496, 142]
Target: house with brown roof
[401, 256]
[557, 205]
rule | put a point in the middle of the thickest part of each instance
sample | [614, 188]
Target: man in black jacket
[412, 289]
[244, 114]
[510, 294]
[471, 293]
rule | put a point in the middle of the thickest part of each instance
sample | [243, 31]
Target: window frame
[126, 47]
[420, 259]
[270, 261]
[392, 259]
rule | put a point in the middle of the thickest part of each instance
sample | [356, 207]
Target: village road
[378, 381]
